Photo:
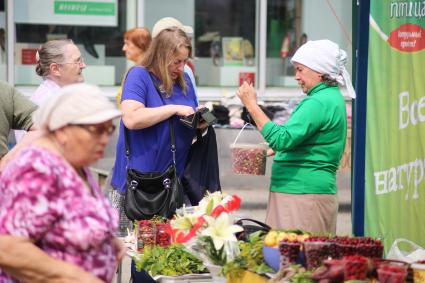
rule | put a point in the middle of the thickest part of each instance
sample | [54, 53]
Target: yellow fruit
[302, 238]
[270, 239]
[292, 237]
[281, 236]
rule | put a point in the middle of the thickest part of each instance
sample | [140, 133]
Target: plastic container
[418, 272]
[290, 251]
[249, 159]
[392, 272]
[355, 267]
[316, 252]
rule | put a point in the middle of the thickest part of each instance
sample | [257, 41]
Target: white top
[44, 90]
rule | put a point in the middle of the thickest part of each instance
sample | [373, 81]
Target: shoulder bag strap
[170, 122]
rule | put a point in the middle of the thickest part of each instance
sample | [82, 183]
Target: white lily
[185, 222]
[211, 201]
[220, 230]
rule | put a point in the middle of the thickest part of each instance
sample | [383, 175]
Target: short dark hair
[328, 80]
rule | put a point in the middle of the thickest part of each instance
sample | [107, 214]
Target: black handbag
[152, 193]
[248, 229]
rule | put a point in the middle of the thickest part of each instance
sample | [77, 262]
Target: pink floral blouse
[44, 199]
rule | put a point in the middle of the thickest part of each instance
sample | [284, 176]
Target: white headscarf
[75, 104]
[325, 57]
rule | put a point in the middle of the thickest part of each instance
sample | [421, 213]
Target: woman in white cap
[49, 196]
[309, 146]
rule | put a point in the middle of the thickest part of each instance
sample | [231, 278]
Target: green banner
[395, 129]
[85, 8]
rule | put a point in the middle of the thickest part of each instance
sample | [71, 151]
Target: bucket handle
[240, 132]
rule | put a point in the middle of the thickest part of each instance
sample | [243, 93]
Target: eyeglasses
[80, 62]
[98, 130]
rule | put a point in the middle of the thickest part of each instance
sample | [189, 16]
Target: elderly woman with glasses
[49, 197]
[59, 63]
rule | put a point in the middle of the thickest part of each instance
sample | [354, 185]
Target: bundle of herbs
[250, 258]
[174, 260]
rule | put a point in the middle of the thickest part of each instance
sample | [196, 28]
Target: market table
[248, 277]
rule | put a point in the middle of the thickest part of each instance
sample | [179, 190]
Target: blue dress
[150, 147]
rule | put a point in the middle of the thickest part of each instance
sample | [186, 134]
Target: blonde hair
[160, 55]
[52, 51]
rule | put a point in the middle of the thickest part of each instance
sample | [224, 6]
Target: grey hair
[328, 80]
[52, 51]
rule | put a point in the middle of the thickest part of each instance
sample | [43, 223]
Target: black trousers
[140, 277]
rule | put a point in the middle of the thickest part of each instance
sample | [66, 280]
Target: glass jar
[163, 237]
[146, 235]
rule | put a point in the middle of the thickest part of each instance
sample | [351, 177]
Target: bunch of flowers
[208, 230]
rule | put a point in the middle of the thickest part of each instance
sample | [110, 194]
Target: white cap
[75, 104]
[325, 57]
[169, 22]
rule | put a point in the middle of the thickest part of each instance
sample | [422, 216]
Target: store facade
[233, 39]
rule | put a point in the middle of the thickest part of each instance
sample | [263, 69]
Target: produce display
[172, 261]
[282, 255]
[248, 159]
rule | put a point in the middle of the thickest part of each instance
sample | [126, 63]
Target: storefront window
[283, 37]
[224, 37]
[225, 41]
[96, 27]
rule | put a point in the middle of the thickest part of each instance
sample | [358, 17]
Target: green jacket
[310, 144]
[15, 113]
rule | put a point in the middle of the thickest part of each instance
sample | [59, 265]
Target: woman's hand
[270, 152]
[247, 94]
[119, 248]
[183, 110]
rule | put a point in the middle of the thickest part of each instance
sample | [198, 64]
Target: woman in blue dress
[146, 114]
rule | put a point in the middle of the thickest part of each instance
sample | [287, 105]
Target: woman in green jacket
[309, 146]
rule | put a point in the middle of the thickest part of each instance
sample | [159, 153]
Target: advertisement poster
[63, 12]
[395, 130]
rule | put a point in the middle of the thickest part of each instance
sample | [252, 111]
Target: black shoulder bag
[152, 193]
